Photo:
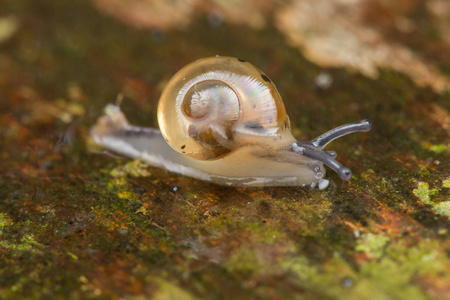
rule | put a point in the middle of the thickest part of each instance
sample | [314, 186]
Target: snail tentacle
[324, 139]
[306, 150]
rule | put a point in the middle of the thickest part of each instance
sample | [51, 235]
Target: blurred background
[79, 222]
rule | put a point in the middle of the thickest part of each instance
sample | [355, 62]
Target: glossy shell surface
[214, 105]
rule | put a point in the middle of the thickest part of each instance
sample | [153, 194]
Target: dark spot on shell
[184, 146]
[265, 78]
[253, 125]
[241, 60]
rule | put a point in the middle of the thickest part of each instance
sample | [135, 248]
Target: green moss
[121, 187]
[391, 276]
[442, 208]
[246, 260]
[301, 268]
[423, 192]
[446, 182]
[125, 195]
[437, 148]
[169, 291]
[218, 224]
[263, 233]
[4, 221]
[117, 184]
[427, 257]
[386, 279]
[258, 232]
[143, 239]
[333, 279]
[27, 243]
[370, 182]
[308, 212]
[134, 168]
[372, 245]
[396, 273]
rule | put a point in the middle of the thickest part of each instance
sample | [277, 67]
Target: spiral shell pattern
[212, 103]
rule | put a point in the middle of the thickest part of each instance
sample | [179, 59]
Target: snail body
[222, 120]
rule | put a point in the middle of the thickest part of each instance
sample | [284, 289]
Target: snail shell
[215, 105]
[222, 120]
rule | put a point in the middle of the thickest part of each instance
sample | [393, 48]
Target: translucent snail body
[222, 120]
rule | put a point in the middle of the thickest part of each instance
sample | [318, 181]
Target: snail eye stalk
[313, 149]
[324, 139]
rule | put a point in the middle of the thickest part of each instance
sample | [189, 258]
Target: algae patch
[392, 275]
[246, 260]
[263, 234]
[446, 182]
[4, 221]
[169, 290]
[27, 243]
[438, 148]
[442, 208]
[135, 168]
[424, 193]
[372, 245]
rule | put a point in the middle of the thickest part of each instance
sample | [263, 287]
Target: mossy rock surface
[77, 222]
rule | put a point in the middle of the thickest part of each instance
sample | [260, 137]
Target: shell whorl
[214, 105]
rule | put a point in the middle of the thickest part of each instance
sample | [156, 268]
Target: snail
[222, 120]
